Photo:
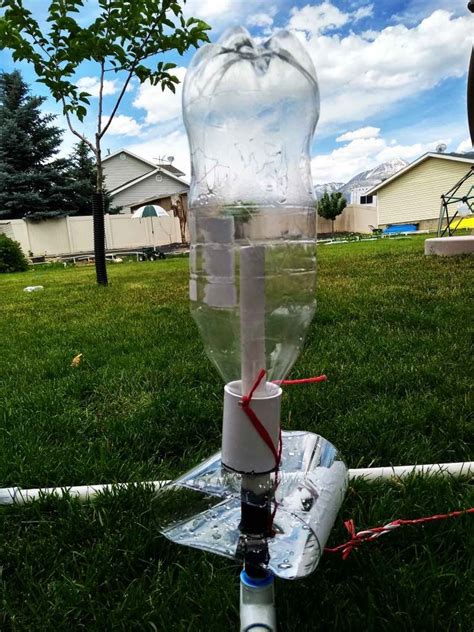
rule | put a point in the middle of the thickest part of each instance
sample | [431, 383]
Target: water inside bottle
[270, 253]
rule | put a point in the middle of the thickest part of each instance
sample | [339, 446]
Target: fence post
[109, 233]
[70, 239]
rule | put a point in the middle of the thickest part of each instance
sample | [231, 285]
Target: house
[131, 179]
[413, 193]
[359, 196]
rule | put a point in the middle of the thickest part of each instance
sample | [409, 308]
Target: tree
[12, 258]
[30, 180]
[120, 39]
[83, 170]
[83, 177]
[330, 206]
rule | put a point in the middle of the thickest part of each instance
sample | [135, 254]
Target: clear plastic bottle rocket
[250, 112]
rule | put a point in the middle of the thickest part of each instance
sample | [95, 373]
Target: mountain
[363, 180]
[330, 187]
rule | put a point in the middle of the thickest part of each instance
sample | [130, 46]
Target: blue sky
[392, 76]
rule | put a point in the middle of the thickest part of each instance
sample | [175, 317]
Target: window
[366, 199]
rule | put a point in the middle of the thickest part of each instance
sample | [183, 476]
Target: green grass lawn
[392, 332]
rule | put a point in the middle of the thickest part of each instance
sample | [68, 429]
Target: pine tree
[31, 181]
[82, 171]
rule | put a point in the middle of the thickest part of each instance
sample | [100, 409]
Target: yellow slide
[462, 223]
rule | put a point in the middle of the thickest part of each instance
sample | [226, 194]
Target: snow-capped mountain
[330, 187]
[384, 170]
[363, 181]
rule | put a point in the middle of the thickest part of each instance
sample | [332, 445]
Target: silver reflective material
[309, 492]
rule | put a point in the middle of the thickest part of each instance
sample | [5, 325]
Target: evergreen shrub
[12, 258]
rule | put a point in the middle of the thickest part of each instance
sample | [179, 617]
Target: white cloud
[92, 86]
[464, 146]
[173, 144]
[225, 13]
[363, 153]
[260, 19]
[360, 77]
[160, 106]
[363, 12]
[415, 10]
[325, 17]
[263, 19]
[362, 132]
[208, 9]
[122, 125]
[318, 18]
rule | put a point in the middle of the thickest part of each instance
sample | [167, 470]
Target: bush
[12, 258]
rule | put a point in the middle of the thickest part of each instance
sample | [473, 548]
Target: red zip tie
[306, 380]
[262, 431]
[368, 535]
[255, 421]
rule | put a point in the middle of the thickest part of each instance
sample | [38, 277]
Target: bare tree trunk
[98, 208]
[179, 211]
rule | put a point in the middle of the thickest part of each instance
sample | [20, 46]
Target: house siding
[415, 195]
[118, 171]
[147, 188]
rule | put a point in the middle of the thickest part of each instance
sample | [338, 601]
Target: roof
[130, 183]
[168, 167]
[154, 198]
[467, 158]
[172, 169]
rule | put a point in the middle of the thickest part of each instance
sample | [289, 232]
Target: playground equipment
[463, 216]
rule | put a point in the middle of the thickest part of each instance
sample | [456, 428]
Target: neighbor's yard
[392, 333]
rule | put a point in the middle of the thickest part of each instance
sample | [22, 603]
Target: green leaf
[125, 35]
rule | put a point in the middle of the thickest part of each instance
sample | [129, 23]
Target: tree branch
[140, 59]
[116, 106]
[132, 68]
[74, 131]
[101, 98]
[63, 101]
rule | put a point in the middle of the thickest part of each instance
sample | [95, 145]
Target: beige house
[412, 195]
[130, 179]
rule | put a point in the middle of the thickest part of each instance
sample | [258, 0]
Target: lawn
[393, 334]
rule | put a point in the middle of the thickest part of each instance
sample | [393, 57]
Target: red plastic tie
[368, 535]
[262, 431]
[306, 380]
[255, 421]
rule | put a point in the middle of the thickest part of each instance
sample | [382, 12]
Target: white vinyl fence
[74, 235]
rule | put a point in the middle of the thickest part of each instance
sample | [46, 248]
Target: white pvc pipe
[243, 450]
[252, 316]
[252, 338]
[257, 607]
[16, 495]
[399, 471]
